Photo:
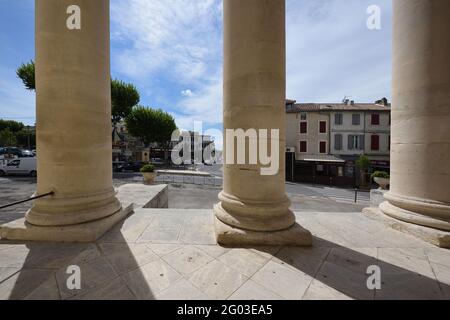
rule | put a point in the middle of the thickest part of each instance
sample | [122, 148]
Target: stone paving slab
[170, 254]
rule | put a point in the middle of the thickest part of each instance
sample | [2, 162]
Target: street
[196, 193]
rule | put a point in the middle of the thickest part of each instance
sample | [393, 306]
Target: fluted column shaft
[420, 158]
[73, 113]
[254, 99]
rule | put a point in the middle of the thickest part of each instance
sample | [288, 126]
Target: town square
[211, 150]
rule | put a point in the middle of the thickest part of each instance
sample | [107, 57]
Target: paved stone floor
[171, 254]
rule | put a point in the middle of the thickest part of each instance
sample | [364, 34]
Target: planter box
[382, 182]
[149, 177]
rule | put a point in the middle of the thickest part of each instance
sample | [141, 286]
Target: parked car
[157, 162]
[11, 151]
[21, 166]
[27, 154]
[130, 167]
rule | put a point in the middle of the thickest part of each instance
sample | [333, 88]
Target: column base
[230, 236]
[404, 211]
[436, 237]
[21, 230]
[64, 210]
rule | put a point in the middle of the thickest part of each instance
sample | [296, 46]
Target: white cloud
[187, 93]
[205, 106]
[178, 37]
[331, 53]
[170, 45]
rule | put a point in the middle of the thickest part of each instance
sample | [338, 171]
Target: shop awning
[321, 158]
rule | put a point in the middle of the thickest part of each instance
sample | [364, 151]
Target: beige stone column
[420, 177]
[254, 208]
[73, 113]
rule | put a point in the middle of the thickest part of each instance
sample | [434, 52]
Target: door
[13, 167]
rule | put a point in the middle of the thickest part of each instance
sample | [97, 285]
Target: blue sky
[172, 51]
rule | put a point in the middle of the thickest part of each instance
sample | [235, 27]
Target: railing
[27, 200]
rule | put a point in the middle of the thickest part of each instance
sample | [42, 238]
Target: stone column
[73, 113]
[254, 209]
[420, 169]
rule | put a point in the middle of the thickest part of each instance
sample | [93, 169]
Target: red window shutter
[323, 127]
[375, 119]
[375, 143]
[303, 127]
[303, 146]
[323, 147]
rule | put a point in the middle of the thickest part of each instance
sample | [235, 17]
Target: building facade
[327, 139]
[308, 130]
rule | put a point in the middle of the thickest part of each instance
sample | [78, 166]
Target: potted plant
[148, 171]
[382, 179]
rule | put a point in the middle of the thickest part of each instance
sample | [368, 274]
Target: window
[303, 146]
[355, 142]
[356, 119]
[338, 119]
[322, 147]
[375, 143]
[338, 142]
[303, 117]
[322, 127]
[303, 127]
[375, 119]
[389, 143]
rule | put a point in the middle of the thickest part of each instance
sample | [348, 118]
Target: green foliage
[7, 138]
[23, 136]
[26, 72]
[363, 162]
[380, 174]
[148, 168]
[13, 126]
[151, 125]
[124, 97]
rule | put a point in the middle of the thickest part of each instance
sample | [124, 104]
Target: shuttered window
[322, 127]
[356, 119]
[355, 142]
[303, 146]
[338, 119]
[323, 147]
[375, 119]
[303, 127]
[338, 145]
[375, 143]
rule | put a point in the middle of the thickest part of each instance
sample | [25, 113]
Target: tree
[124, 96]
[13, 126]
[26, 138]
[26, 72]
[363, 164]
[7, 138]
[151, 125]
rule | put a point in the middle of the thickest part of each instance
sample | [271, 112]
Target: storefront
[323, 169]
